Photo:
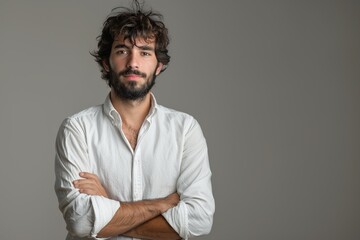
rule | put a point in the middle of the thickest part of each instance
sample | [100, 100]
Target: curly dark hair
[131, 24]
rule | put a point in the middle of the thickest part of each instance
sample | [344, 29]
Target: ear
[105, 64]
[159, 68]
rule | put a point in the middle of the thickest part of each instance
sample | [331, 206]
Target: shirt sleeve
[84, 215]
[193, 216]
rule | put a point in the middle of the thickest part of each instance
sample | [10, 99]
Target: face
[132, 68]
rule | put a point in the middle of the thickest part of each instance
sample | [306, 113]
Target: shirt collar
[153, 108]
[111, 112]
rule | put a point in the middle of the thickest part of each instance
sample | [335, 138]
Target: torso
[131, 134]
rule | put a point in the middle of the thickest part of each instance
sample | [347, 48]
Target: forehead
[138, 41]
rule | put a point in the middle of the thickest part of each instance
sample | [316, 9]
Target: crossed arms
[88, 212]
[140, 219]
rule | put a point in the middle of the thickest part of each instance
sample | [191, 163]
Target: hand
[90, 184]
[170, 201]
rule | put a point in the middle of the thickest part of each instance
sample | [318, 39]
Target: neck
[132, 112]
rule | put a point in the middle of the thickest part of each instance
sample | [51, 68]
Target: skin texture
[90, 184]
[141, 219]
[132, 68]
[155, 229]
[139, 57]
[138, 219]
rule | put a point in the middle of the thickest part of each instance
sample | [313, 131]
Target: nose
[132, 61]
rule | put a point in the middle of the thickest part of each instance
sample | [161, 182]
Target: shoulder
[169, 112]
[174, 117]
[86, 113]
[79, 121]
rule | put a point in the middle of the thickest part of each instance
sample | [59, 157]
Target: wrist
[169, 202]
[164, 205]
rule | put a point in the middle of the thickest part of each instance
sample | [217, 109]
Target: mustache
[131, 71]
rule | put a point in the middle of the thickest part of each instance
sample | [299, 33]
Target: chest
[149, 170]
[131, 135]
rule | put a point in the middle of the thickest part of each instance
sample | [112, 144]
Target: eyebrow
[121, 46]
[145, 47]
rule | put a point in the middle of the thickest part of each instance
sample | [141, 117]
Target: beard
[130, 90]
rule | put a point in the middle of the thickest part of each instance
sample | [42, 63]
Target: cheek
[116, 64]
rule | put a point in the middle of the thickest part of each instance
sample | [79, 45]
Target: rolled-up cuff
[104, 210]
[177, 217]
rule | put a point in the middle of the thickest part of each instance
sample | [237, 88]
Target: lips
[132, 76]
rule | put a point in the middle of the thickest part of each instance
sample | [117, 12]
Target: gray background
[274, 84]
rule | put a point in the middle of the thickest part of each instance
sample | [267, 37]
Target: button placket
[137, 177]
[137, 166]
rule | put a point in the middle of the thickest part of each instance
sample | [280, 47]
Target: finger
[88, 191]
[88, 175]
[84, 181]
[90, 185]
[86, 186]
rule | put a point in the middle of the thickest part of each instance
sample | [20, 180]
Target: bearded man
[131, 168]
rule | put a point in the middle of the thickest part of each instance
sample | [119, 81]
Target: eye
[145, 54]
[121, 52]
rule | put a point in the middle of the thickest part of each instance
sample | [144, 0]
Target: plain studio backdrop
[275, 86]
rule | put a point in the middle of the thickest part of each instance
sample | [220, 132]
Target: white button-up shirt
[170, 156]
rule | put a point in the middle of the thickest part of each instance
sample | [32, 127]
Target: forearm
[131, 215]
[155, 229]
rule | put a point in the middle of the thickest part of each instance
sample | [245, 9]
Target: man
[131, 168]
